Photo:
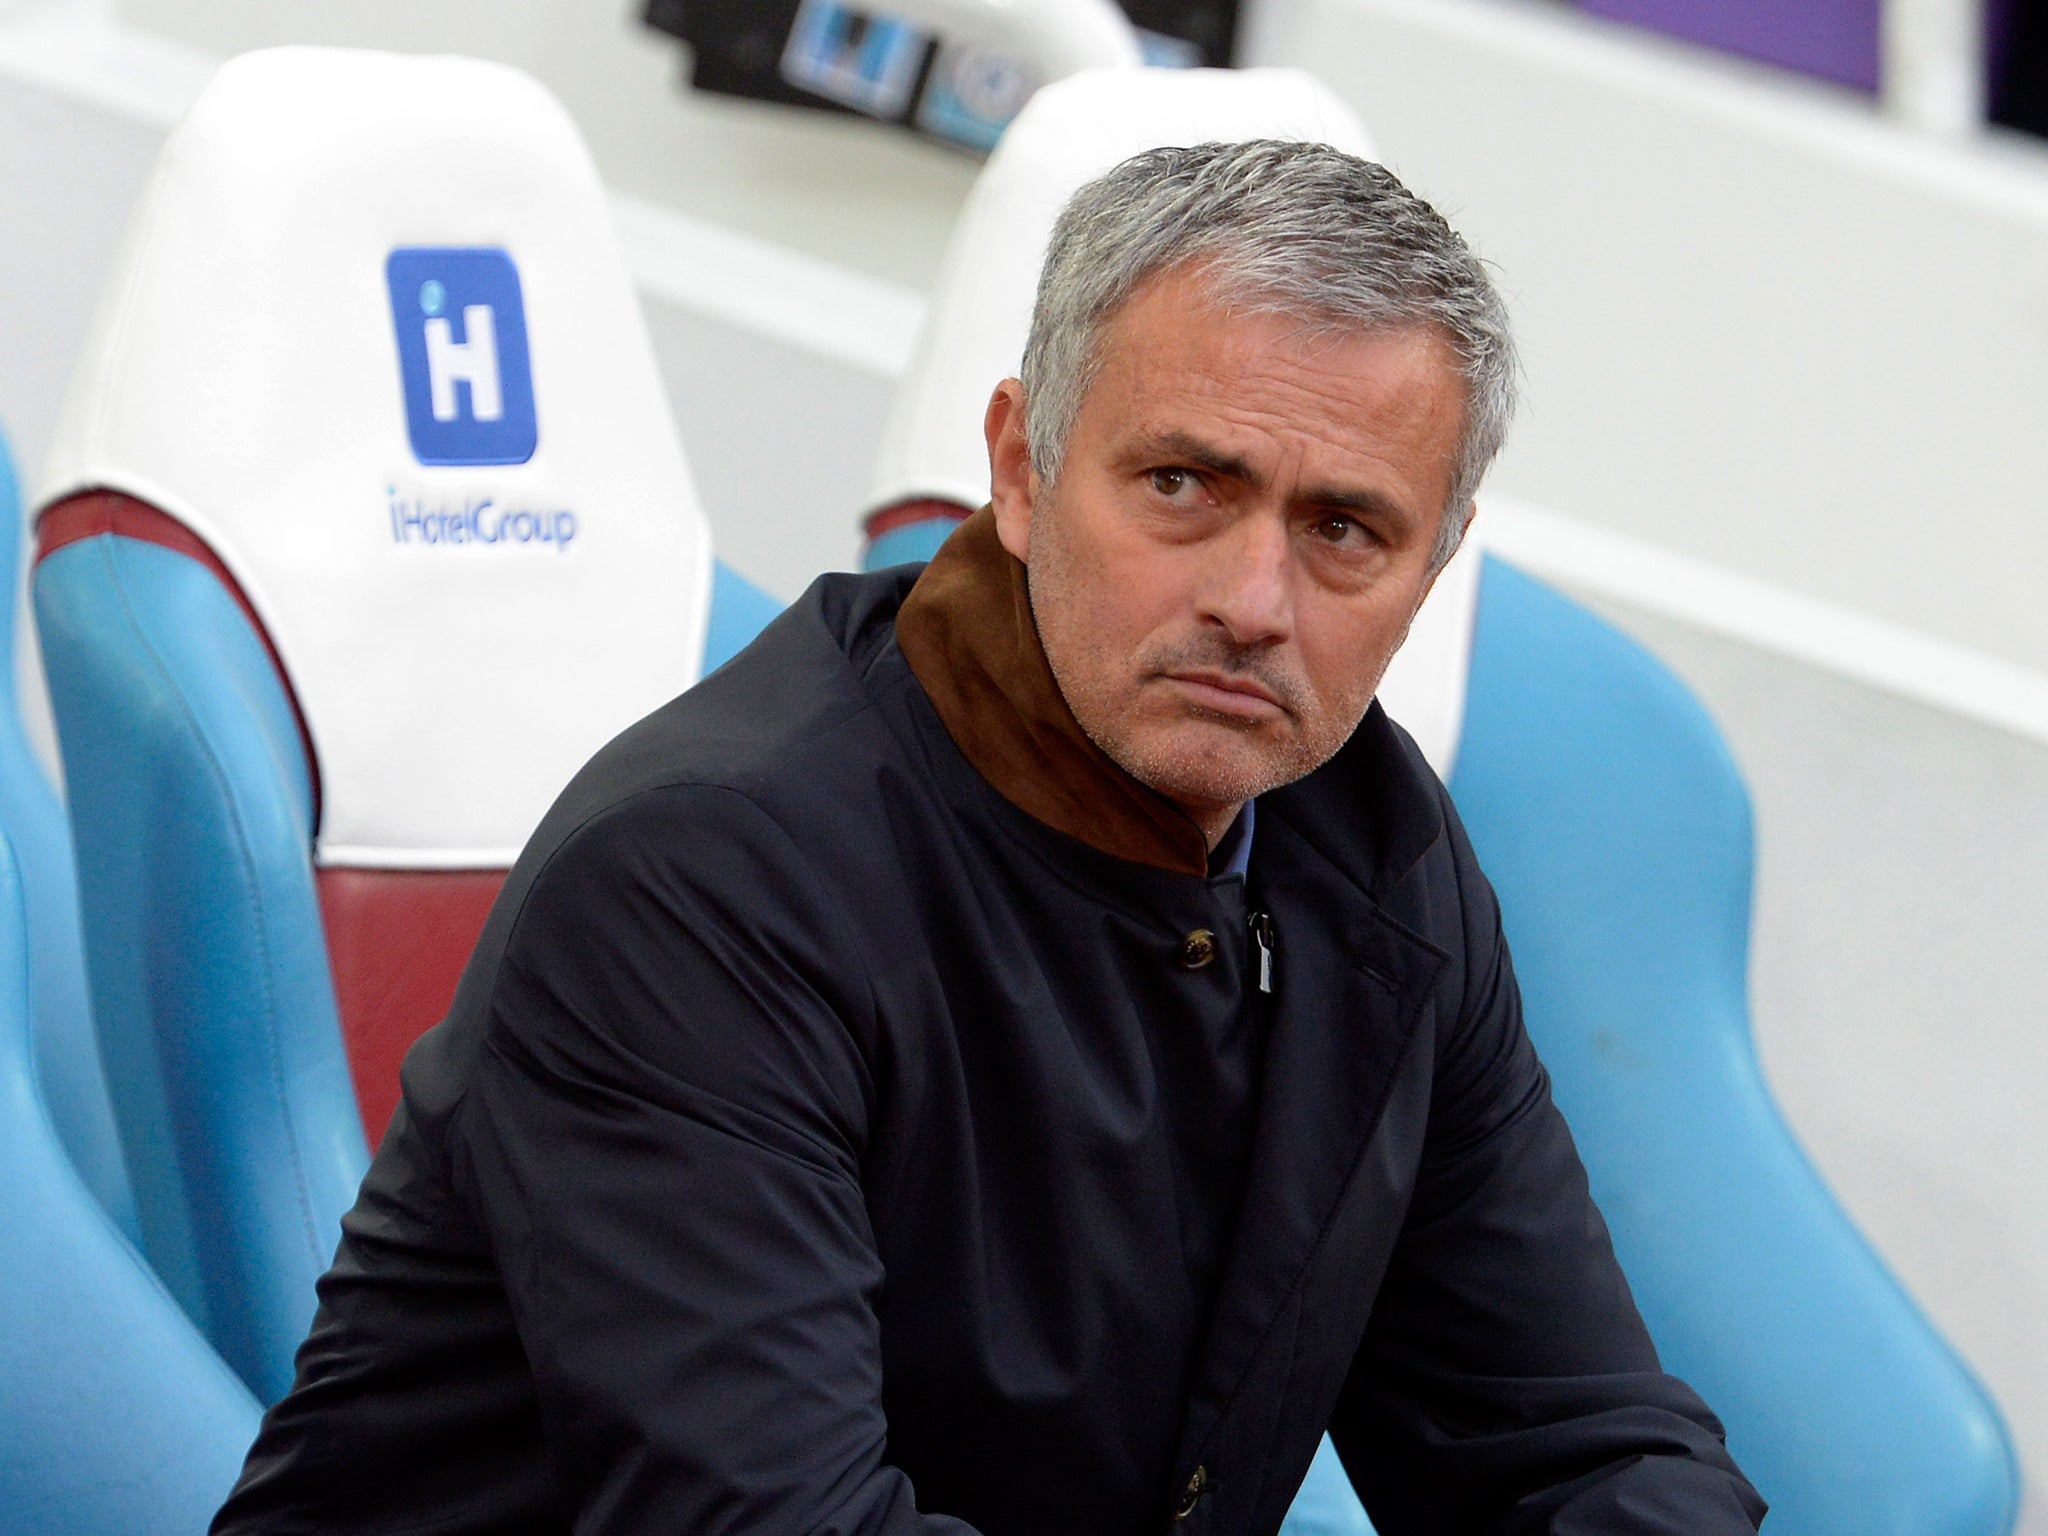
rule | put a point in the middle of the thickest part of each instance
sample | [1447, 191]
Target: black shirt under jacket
[799, 1155]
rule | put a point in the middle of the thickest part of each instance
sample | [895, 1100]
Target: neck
[966, 630]
[1216, 823]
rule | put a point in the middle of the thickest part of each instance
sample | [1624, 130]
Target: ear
[1013, 485]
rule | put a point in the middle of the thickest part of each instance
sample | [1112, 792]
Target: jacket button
[1197, 949]
[1190, 1496]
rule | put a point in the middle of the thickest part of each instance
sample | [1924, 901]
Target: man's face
[1238, 539]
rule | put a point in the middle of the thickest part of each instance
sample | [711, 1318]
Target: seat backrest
[1614, 825]
[933, 464]
[366, 524]
[120, 1421]
[74, 1083]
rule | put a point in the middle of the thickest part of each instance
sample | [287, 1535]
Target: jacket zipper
[1262, 938]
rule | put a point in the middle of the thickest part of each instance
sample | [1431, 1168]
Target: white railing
[1933, 64]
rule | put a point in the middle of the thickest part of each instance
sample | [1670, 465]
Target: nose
[1248, 589]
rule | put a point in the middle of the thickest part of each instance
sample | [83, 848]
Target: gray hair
[1277, 227]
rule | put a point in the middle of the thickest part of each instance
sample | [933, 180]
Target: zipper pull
[1262, 937]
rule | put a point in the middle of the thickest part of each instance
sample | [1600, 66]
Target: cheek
[1075, 618]
[1115, 607]
[1345, 657]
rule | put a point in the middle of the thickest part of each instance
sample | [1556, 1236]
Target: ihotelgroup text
[478, 521]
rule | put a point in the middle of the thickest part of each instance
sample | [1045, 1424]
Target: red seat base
[397, 940]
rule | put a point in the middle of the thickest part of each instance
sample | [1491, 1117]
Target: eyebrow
[1176, 444]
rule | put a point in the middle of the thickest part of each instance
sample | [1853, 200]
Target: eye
[1339, 530]
[1171, 482]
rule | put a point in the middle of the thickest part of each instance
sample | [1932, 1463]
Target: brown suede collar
[966, 630]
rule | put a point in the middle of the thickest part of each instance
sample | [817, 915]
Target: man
[1026, 1048]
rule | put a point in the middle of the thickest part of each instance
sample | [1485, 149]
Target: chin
[1196, 768]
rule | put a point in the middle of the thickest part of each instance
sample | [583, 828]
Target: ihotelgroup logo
[462, 357]
[475, 522]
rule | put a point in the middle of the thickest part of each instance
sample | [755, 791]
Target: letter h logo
[462, 353]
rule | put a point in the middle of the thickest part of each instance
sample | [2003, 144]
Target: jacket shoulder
[708, 804]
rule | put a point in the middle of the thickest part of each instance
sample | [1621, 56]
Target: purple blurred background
[1832, 39]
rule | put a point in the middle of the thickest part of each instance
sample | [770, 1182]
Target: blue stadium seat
[739, 611]
[118, 1419]
[1613, 823]
[913, 540]
[67, 1050]
[192, 800]
[211, 969]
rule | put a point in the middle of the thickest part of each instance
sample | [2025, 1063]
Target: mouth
[1232, 694]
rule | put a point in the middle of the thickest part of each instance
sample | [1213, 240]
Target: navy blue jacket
[799, 1156]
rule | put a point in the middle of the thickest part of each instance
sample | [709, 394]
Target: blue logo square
[973, 93]
[866, 62]
[462, 353]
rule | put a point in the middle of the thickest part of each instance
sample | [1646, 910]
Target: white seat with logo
[367, 524]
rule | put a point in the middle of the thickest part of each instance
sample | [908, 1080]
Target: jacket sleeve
[1506, 1382]
[663, 1144]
